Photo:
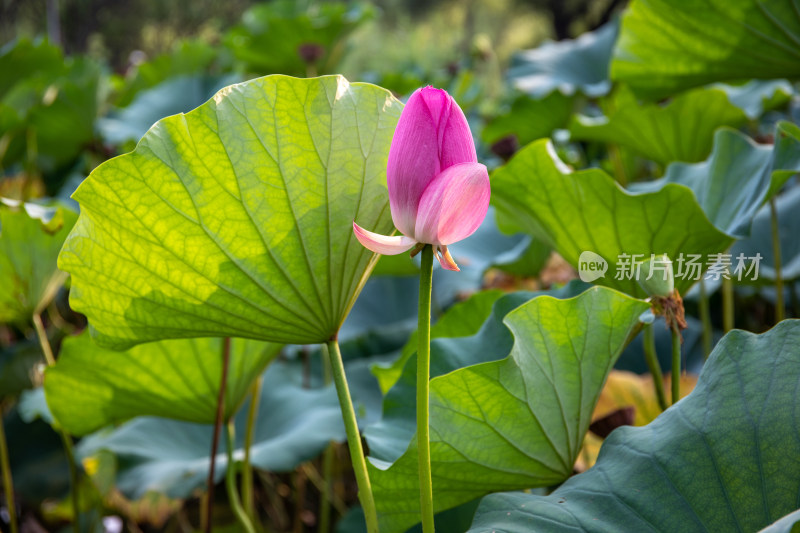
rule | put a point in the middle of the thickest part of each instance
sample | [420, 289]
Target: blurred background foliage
[83, 80]
[427, 33]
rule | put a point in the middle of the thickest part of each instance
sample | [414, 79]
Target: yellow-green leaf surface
[91, 387]
[30, 238]
[587, 210]
[518, 422]
[681, 130]
[235, 219]
[666, 46]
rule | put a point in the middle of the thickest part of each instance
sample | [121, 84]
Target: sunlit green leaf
[518, 422]
[588, 211]
[236, 218]
[666, 46]
[681, 130]
[722, 459]
[91, 387]
[30, 239]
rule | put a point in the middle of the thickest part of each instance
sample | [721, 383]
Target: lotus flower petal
[445, 259]
[431, 135]
[453, 205]
[382, 244]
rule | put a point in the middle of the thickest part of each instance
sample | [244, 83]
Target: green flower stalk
[439, 194]
[656, 277]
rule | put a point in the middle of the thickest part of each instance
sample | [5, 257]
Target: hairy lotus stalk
[438, 192]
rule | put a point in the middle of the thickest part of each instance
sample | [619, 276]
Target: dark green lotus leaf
[23, 58]
[725, 458]
[529, 261]
[570, 66]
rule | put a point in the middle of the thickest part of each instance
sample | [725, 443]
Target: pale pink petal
[453, 205]
[445, 259]
[431, 135]
[382, 244]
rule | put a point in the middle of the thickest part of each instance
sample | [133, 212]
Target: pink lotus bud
[438, 192]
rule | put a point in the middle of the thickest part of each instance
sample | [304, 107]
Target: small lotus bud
[656, 276]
